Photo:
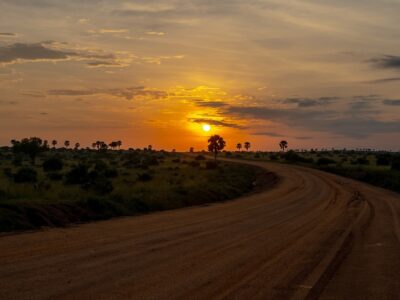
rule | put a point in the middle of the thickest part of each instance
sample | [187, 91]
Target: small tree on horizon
[31, 146]
[77, 145]
[283, 145]
[247, 146]
[215, 144]
[54, 143]
[239, 146]
[66, 144]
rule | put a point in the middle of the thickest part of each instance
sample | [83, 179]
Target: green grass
[358, 165]
[141, 181]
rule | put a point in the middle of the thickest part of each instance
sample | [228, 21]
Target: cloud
[384, 80]
[127, 93]
[268, 133]
[8, 34]
[359, 125]
[309, 102]
[56, 51]
[392, 102]
[31, 52]
[221, 123]
[387, 61]
[211, 104]
[157, 33]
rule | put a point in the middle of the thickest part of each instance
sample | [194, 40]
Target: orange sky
[316, 73]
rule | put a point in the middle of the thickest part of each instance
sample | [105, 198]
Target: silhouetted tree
[119, 143]
[94, 145]
[247, 145]
[283, 145]
[66, 144]
[239, 146]
[77, 145]
[191, 150]
[54, 143]
[216, 144]
[32, 147]
[149, 147]
[113, 145]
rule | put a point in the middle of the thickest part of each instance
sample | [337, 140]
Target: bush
[210, 165]
[55, 176]
[8, 172]
[102, 185]
[144, 177]
[52, 164]
[25, 175]
[273, 156]
[200, 157]
[323, 161]
[77, 175]
[396, 165]
[383, 160]
[362, 161]
[194, 164]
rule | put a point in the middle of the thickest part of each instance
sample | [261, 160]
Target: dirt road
[313, 236]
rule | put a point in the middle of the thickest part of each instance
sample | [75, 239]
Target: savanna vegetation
[380, 168]
[41, 185]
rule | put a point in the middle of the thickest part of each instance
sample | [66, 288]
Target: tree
[77, 145]
[216, 144]
[94, 145]
[150, 147]
[54, 143]
[119, 143]
[66, 144]
[283, 145]
[191, 150]
[31, 146]
[247, 146]
[239, 146]
[113, 145]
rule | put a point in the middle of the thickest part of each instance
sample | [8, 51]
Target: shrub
[273, 156]
[194, 164]
[396, 165]
[77, 175]
[144, 177]
[111, 173]
[102, 185]
[55, 176]
[176, 160]
[52, 164]
[200, 157]
[362, 161]
[322, 161]
[383, 160]
[8, 172]
[25, 175]
[210, 164]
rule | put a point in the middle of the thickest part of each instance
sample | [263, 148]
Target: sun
[206, 127]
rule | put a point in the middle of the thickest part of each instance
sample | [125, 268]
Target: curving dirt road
[314, 236]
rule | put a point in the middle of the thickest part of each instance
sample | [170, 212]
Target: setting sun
[206, 127]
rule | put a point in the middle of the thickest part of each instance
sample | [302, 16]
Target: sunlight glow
[206, 127]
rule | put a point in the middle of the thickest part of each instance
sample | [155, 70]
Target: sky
[318, 73]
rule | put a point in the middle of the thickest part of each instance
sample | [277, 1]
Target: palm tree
[66, 144]
[94, 145]
[283, 145]
[77, 145]
[149, 147]
[247, 145]
[216, 144]
[239, 146]
[119, 143]
[191, 149]
[54, 143]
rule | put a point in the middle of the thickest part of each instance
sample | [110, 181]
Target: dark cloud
[268, 133]
[384, 80]
[354, 125]
[54, 51]
[8, 34]
[393, 102]
[387, 61]
[216, 123]
[212, 104]
[127, 93]
[310, 102]
[30, 52]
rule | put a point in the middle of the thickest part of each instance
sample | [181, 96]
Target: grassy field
[377, 168]
[64, 186]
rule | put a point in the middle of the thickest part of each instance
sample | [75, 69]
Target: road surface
[313, 236]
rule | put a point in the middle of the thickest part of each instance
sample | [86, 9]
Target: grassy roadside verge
[374, 169]
[137, 183]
